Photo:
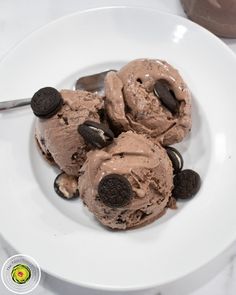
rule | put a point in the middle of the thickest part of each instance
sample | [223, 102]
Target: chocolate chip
[66, 186]
[186, 184]
[96, 134]
[49, 156]
[46, 102]
[75, 156]
[42, 140]
[119, 221]
[115, 191]
[65, 119]
[102, 115]
[176, 159]
[139, 80]
[166, 96]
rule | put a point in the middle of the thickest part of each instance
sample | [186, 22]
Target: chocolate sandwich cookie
[96, 134]
[166, 96]
[186, 184]
[46, 102]
[66, 186]
[176, 159]
[115, 191]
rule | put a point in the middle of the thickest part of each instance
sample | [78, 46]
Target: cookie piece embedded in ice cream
[115, 191]
[96, 134]
[176, 159]
[166, 96]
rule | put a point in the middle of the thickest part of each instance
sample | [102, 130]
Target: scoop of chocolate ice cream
[128, 183]
[150, 97]
[58, 137]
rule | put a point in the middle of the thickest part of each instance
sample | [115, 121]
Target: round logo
[21, 274]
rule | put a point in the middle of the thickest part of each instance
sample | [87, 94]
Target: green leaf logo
[21, 274]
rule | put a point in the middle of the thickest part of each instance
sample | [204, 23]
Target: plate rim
[15, 46]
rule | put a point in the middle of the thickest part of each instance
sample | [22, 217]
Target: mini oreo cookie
[96, 134]
[115, 191]
[176, 159]
[66, 186]
[186, 184]
[166, 96]
[46, 102]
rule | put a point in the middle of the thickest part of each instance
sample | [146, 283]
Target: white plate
[63, 236]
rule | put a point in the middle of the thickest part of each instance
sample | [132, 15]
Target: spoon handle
[11, 104]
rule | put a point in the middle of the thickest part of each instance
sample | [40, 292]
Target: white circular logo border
[32, 261]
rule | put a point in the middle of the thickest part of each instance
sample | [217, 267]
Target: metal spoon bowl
[92, 83]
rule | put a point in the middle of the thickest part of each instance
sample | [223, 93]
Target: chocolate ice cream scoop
[57, 136]
[128, 183]
[150, 97]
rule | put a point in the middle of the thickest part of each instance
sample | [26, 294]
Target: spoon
[92, 83]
